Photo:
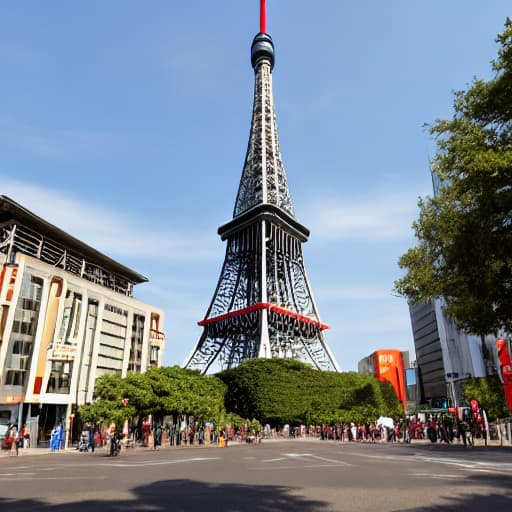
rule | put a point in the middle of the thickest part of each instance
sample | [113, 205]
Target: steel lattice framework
[263, 305]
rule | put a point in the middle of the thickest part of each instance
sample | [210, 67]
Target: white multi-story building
[445, 355]
[67, 316]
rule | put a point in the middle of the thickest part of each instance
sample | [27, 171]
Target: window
[14, 378]
[21, 342]
[70, 324]
[60, 377]
[134, 364]
[153, 359]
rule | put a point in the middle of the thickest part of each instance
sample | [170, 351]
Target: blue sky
[125, 123]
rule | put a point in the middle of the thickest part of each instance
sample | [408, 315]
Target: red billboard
[389, 366]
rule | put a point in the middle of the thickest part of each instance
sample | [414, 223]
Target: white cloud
[378, 215]
[110, 231]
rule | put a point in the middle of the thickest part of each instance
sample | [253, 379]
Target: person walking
[91, 441]
[14, 436]
[54, 439]
[462, 433]
[25, 437]
[15, 440]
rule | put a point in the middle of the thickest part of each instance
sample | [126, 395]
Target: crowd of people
[182, 433]
[16, 439]
[442, 429]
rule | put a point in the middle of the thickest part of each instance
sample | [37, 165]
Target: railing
[28, 241]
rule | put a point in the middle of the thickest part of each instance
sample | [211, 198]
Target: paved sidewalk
[23, 452]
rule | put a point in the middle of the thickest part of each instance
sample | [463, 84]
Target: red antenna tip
[263, 16]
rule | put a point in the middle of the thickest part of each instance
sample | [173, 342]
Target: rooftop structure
[23, 231]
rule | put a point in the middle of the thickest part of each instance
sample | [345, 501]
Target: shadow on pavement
[496, 497]
[470, 503]
[186, 496]
[475, 451]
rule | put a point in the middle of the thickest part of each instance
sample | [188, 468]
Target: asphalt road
[304, 476]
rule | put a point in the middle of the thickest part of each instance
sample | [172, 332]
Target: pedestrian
[462, 433]
[91, 443]
[407, 432]
[353, 431]
[373, 433]
[25, 437]
[157, 437]
[97, 439]
[15, 440]
[54, 439]
[61, 437]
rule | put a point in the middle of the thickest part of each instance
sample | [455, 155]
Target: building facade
[388, 365]
[67, 316]
[446, 356]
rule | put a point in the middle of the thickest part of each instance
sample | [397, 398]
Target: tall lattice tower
[263, 305]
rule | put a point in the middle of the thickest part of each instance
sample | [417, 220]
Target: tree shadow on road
[492, 492]
[186, 496]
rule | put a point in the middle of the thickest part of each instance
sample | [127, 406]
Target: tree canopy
[490, 395]
[280, 391]
[275, 391]
[159, 391]
[464, 250]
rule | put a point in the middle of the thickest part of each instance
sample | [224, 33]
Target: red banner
[505, 359]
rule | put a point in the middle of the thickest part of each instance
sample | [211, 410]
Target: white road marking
[310, 455]
[471, 465]
[155, 463]
[340, 462]
[435, 476]
[283, 467]
[307, 462]
[463, 464]
[27, 476]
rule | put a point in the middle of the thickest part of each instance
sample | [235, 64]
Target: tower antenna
[263, 16]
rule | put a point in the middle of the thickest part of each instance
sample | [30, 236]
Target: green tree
[180, 391]
[392, 404]
[159, 391]
[108, 406]
[464, 252]
[281, 391]
[489, 393]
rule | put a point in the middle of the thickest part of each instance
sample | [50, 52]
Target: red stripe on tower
[263, 16]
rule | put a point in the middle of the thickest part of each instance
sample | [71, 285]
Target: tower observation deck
[263, 305]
